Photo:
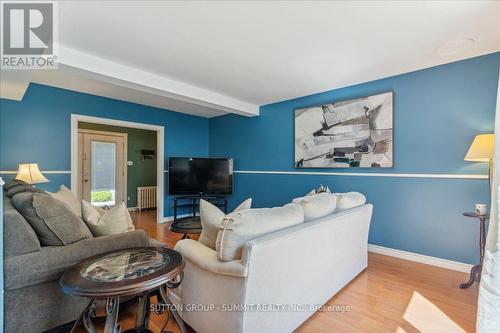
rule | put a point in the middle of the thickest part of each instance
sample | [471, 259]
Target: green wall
[141, 173]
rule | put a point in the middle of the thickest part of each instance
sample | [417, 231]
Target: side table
[128, 272]
[475, 272]
[192, 224]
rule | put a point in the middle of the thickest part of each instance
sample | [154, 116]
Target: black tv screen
[203, 176]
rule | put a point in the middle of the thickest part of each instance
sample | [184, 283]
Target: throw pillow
[52, 221]
[13, 190]
[211, 217]
[66, 196]
[238, 228]
[320, 189]
[349, 200]
[102, 222]
[13, 183]
[317, 205]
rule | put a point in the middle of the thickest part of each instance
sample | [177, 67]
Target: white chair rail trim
[319, 173]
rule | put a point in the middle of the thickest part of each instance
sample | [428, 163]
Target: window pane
[103, 173]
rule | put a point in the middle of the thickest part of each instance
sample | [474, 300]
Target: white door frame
[160, 130]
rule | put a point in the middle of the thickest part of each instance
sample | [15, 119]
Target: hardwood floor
[147, 221]
[392, 295]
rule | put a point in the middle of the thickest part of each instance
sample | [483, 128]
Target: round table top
[187, 225]
[122, 272]
[472, 214]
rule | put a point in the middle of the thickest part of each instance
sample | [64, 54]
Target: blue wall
[437, 113]
[37, 129]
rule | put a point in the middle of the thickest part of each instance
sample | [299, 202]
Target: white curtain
[488, 316]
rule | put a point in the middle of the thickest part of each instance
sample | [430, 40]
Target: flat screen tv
[200, 176]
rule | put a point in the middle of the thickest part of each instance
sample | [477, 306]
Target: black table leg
[88, 316]
[475, 272]
[143, 311]
[112, 306]
[88, 308]
[475, 275]
[171, 308]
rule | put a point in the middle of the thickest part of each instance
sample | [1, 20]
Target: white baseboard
[434, 261]
[132, 209]
[171, 218]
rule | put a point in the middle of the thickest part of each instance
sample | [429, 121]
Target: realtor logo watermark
[29, 35]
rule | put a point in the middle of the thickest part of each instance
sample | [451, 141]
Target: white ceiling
[231, 57]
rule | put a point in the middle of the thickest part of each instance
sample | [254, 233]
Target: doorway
[102, 167]
[152, 155]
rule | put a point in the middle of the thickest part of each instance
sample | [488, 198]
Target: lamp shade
[481, 149]
[30, 173]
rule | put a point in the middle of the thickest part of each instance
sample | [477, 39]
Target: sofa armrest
[206, 258]
[51, 262]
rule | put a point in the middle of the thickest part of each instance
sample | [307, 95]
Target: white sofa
[298, 266]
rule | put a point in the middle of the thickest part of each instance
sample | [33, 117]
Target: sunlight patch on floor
[427, 318]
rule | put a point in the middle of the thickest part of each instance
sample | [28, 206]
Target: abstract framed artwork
[346, 134]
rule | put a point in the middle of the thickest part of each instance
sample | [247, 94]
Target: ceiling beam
[14, 83]
[96, 68]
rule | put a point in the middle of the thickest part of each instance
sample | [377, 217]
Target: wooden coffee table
[130, 272]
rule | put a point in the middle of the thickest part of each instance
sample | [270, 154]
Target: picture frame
[352, 133]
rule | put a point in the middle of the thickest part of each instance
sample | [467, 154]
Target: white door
[102, 167]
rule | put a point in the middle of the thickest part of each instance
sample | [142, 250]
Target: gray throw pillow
[52, 221]
[22, 188]
[13, 183]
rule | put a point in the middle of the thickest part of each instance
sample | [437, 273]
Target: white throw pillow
[107, 222]
[211, 217]
[349, 200]
[317, 205]
[69, 199]
[238, 228]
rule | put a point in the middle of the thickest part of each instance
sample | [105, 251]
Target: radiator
[146, 197]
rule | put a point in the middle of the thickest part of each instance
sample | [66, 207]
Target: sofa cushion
[51, 220]
[48, 307]
[65, 195]
[107, 222]
[349, 200]
[239, 227]
[317, 205]
[211, 217]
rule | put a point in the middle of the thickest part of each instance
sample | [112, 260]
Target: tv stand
[191, 224]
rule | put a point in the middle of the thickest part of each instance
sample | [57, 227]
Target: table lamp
[481, 150]
[30, 173]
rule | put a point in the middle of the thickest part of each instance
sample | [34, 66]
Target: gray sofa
[33, 300]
